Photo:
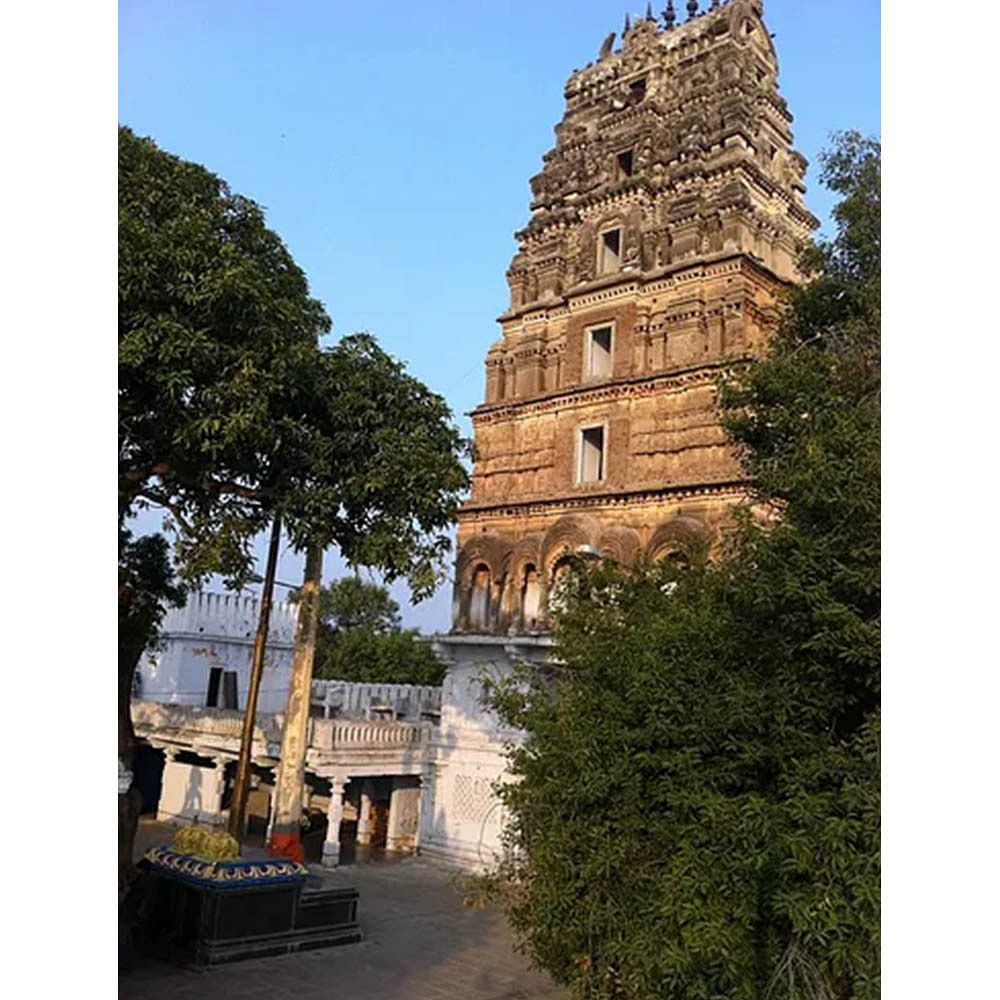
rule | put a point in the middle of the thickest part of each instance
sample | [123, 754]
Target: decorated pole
[285, 840]
[241, 789]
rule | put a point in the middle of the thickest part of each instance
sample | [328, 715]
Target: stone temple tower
[664, 225]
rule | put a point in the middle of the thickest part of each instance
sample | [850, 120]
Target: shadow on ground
[420, 943]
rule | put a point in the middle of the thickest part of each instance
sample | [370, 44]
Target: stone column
[214, 783]
[425, 824]
[365, 812]
[404, 812]
[334, 814]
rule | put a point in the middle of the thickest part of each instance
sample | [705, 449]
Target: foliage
[360, 638]
[229, 410]
[354, 603]
[396, 657]
[146, 587]
[381, 477]
[695, 804]
[216, 331]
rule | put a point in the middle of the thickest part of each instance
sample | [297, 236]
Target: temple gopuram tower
[665, 224]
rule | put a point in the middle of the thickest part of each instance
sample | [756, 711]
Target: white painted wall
[217, 630]
[461, 819]
[191, 793]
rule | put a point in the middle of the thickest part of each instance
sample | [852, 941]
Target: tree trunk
[128, 796]
[285, 840]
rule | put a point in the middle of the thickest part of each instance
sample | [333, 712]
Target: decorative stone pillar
[334, 814]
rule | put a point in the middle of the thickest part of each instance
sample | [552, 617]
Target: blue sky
[391, 145]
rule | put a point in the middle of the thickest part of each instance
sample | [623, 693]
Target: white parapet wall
[345, 699]
[217, 631]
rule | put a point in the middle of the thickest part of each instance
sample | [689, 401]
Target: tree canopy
[361, 639]
[695, 810]
[229, 409]
[216, 335]
[354, 603]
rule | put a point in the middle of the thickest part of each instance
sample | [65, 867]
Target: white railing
[348, 734]
[346, 700]
[222, 728]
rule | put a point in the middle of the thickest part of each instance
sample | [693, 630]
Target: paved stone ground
[420, 943]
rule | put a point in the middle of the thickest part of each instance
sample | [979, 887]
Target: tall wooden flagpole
[241, 789]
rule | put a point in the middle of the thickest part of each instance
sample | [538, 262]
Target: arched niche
[479, 572]
[532, 598]
[620, 544]
[525, 558]
[683, 540]
[480, 592]
[575, 533]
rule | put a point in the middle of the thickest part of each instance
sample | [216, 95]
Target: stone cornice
[634, 385]
[612, 498]
[626, 283]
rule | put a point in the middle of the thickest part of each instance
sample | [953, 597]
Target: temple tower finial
[669, 15]
[628, 25]
[692, 9]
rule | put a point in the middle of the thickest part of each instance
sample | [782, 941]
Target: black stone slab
[181, 920]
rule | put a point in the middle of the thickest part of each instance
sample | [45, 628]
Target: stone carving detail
[698, 120]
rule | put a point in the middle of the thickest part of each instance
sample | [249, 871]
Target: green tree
[216, 337]
[696, 810]
[146, 588]
[231, 413]
[360, 638]
[353, 603]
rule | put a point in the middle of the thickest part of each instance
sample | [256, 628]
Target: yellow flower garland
[199, 842]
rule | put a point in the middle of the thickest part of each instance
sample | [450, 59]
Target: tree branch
[166, 504]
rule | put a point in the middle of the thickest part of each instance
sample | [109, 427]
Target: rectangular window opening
[637, 90]
[591, 455]
[214, 683]
[599, 358]
[610, 248]
[625, 164]
[230, 698]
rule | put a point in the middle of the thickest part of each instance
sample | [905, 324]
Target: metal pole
[241, 789]
[285, 839]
